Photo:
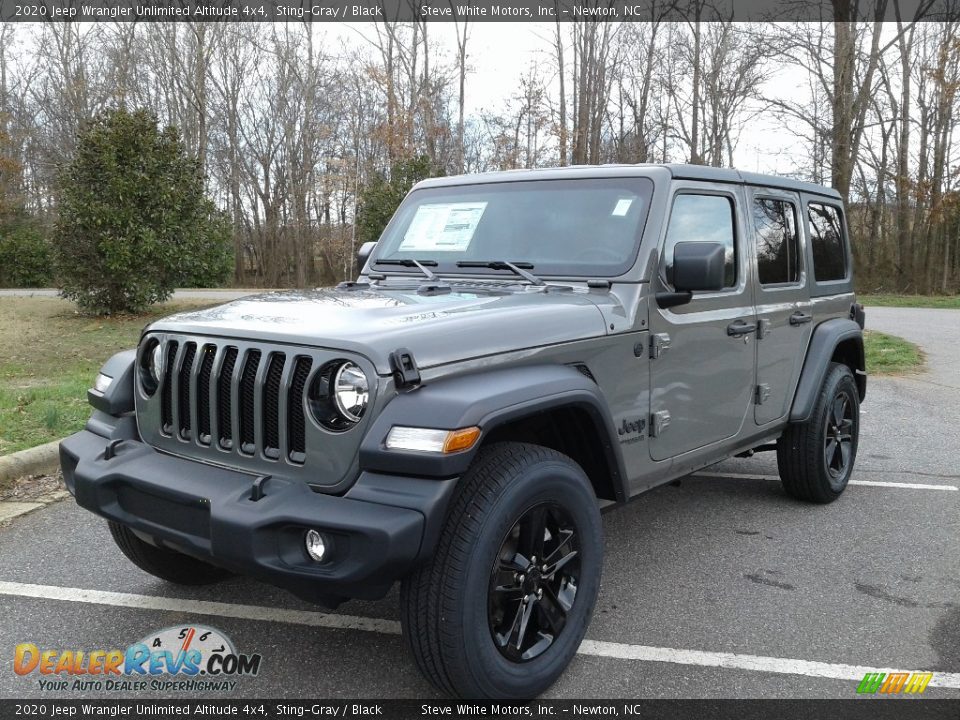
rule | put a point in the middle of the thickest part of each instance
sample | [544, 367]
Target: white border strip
[593, 648]
[870, 483]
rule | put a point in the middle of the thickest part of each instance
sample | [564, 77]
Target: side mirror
[364, 253]
[697, 267]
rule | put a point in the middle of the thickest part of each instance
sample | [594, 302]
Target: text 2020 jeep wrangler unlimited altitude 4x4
[521, 350]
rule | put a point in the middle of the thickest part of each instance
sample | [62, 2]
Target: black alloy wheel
[838, 437]
[533, 583]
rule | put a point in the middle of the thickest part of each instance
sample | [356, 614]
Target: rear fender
[840, 340]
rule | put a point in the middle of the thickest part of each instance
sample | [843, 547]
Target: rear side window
[702, 218]
[828, 242]
[778, 243]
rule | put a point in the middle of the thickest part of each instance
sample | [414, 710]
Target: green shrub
[25, 256]
[133, 219]
[381, 195]
[211, 261]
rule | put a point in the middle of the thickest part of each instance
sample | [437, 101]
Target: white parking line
[905, 486]
[593, 648]
[869, 483]
[758, 663]
[200, 607]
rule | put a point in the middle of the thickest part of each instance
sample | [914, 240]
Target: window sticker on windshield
[622, 207]
[443, 226]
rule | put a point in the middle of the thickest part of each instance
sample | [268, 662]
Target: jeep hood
[438, 329]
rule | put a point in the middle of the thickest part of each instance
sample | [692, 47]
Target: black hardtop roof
[676, 170]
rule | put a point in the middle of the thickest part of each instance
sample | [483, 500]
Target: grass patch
[950, 302]
[890, 355]
[49, 355]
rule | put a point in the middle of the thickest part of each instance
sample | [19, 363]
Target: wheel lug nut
[521, 578]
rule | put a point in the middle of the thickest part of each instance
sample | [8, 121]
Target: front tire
[501, 608]
[816, 457]
[162, 563]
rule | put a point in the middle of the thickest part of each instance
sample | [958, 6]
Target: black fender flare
[823, 343]
[486, 399]
[118, 397]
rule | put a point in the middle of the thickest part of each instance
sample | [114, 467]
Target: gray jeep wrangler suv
[521, 350]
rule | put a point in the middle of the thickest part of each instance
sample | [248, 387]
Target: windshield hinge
[434, 289]
[404, 367]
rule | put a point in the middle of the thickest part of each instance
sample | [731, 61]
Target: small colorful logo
[183, 652]
[894, 683]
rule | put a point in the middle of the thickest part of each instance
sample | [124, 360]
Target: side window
[778, 243]
[827, 241]
[703, 218]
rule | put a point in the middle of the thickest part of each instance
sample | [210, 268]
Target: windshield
[581, 227]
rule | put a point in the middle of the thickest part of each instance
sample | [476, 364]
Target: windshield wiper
[408, 262]
[517, 268]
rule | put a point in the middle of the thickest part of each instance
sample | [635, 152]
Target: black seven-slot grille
[247, 401]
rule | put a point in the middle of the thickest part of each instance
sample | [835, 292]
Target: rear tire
[816, 457]
[501, 608]
[165, 564]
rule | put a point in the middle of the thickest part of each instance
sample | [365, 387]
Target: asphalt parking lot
[720, 586]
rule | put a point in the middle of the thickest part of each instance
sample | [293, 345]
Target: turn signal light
[463, 439]
[431, 440]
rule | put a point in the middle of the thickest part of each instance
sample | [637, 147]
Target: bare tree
[289, 124]
[593, 50]
[463, 33]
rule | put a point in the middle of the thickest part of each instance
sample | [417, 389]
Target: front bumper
[380, 528]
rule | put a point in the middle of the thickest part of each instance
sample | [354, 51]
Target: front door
[783, 302]
[702, 353]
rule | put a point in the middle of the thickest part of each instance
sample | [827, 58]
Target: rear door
[784, 310]
[702, 353]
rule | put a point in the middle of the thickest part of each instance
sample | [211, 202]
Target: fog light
[316, 545]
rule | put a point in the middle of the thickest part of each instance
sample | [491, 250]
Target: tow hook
[110, 451]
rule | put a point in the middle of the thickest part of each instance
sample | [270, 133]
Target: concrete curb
[40, 460]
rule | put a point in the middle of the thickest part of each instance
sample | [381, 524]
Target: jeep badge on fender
[520, 350]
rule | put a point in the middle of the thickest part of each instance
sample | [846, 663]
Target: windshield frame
[643, 186]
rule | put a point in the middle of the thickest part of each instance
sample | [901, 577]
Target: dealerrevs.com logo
[894, 683]
[188, 658]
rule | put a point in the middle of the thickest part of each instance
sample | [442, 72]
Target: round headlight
[156, 363]
[338, 395]
[351, 391]
[151, 366]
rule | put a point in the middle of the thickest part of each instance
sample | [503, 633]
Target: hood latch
[406, 374]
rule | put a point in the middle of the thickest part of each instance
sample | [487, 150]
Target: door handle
[740, 328]
[799, 318]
